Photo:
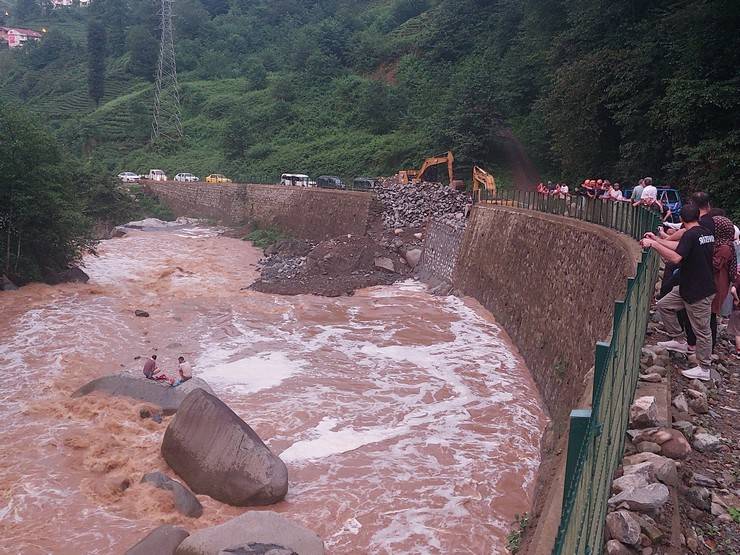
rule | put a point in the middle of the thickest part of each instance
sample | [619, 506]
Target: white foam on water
[399, 430]
[327, 442]
[251, 374]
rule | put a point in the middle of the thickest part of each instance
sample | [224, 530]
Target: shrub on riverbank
[49, 201]
[263, 238]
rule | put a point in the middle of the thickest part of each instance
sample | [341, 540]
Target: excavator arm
[417, 176]
[483, 179]
[435, 161]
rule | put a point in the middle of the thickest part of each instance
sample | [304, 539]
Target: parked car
[330, 182]
[185, 177]
[363, 183]
[672, 199]
[217, 178]
[295, 179]
[129, 177]
[156, 175]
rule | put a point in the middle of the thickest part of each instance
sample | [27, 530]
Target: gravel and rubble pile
[331, 268]
[413, 205]
[285, 260]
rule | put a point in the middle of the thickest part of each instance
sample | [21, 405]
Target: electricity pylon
[167, 123]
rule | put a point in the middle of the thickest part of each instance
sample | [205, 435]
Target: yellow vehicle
[417, 176]
[483, 179]
[217, 178]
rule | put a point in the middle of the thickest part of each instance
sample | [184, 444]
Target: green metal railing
[596, 437]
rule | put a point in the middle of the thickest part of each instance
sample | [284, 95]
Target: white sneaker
[697, 373]
[673, 345]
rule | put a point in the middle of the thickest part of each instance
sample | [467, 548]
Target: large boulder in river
[162, 541]
[218, 454]
[251, 531]
[185, 502]
[71, 275]
[161, 394]
[6, 284]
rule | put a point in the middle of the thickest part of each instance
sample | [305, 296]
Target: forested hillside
[350, 87]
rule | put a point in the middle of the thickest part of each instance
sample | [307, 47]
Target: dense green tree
[42, 226]
[143, 50]
[26, 10]
[96, 51]
[114, 15]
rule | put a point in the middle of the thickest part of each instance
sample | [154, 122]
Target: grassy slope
[116, 134]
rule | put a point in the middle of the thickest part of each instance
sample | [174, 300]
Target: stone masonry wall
[551, 282]
[441, 248]
[308, 213]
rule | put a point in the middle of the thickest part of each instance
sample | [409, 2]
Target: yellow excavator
[483, 180]
[417, 176]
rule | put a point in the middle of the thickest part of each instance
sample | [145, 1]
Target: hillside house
[16, 36]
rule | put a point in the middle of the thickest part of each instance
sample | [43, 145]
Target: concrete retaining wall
[551, 282]
[441, 248]
[308, 213]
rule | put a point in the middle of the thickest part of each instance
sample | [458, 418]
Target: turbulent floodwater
[407, 421]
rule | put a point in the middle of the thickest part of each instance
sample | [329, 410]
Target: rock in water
[185, 502]
[141, 313]
[258, 549]
[6, 284]
[218, 454]
[253, 528]
[70, 275]
[159, 394]
[162, 541]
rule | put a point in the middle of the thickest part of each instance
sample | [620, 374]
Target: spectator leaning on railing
[649, 199]
[637, 191]
[695, 290]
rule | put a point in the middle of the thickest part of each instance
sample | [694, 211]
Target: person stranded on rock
[185, 370]
[695, 290]
[152, 371]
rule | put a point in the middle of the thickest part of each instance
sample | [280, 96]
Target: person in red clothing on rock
[152, 371]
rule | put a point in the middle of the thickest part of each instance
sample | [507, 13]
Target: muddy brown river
[408, 422]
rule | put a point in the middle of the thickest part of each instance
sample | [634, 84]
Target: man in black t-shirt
[695, 289]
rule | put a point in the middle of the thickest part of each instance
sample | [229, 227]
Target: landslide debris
[389, 252]
[330, 268]
[414, 205]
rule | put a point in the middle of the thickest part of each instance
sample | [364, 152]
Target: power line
[167, 122]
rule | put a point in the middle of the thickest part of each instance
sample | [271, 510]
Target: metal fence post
[577, 440]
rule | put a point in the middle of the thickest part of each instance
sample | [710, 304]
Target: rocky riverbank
[678, 490]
